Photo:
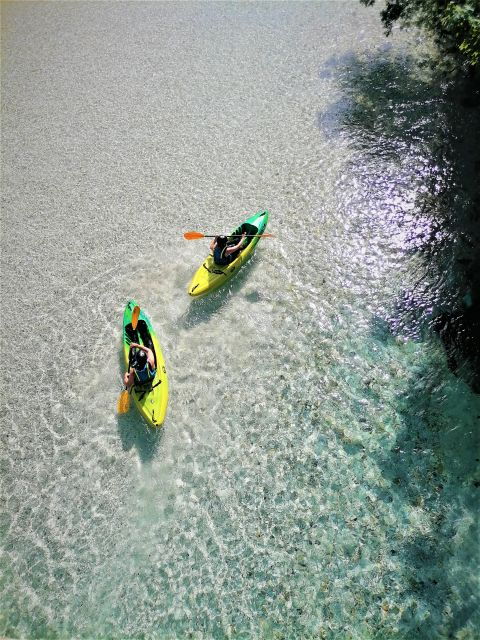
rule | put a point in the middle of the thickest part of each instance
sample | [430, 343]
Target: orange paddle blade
[193, 235]
[135, 314]
[123, 404]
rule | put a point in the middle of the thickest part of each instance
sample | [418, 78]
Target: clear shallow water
[315, 475]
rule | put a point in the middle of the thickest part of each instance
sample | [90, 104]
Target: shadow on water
[134, 432]
[204, 309]
[430, 469]
[394, 113]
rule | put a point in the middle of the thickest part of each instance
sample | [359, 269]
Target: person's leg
[131, 333]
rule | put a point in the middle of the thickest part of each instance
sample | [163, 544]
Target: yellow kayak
[211, 276]
[151, 398]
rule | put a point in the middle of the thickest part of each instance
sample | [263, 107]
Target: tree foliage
[454, 24]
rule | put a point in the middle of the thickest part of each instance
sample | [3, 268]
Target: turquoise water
[315, 477]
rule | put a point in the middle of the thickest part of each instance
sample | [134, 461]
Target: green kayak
[211, 276]
[150, 398]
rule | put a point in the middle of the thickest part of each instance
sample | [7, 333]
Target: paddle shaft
[196, 235]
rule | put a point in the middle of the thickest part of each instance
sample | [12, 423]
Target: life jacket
[219, 256]
[144, 375]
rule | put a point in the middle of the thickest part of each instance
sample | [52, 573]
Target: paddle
[196, 235]
[123, 404]
[135, 314]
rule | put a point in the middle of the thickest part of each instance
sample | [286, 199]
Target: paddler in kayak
[142, 366]
[223, 254]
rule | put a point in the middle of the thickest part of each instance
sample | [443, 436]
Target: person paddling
[223, 254]
[142, 366]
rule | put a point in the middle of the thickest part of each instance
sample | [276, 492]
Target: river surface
[314, 476]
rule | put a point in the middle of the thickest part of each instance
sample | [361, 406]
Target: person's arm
[150, 358]
[139, 346]
[230, 250]
[149, 352]
[129, 379]
[212, 245]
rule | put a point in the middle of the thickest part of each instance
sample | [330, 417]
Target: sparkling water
[314, 476]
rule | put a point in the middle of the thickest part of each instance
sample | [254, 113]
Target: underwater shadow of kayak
[135, 432]
[203, 309]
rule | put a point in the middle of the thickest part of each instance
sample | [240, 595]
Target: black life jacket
[219, 256]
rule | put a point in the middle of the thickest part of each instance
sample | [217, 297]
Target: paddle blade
[123, 404]
[135, 314]
[193, 235]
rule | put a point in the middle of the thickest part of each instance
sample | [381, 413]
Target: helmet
[140, 360]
